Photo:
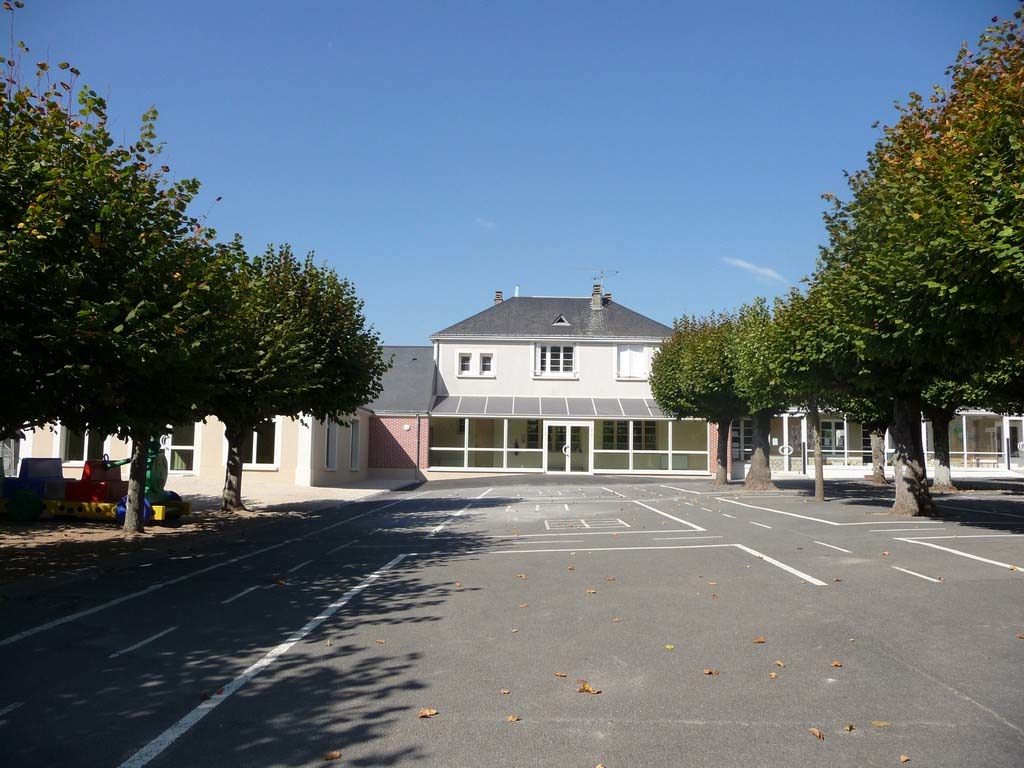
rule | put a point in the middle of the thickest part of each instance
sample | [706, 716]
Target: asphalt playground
[721, 629]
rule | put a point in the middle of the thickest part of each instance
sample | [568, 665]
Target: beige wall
[343, 474]
[513, 371]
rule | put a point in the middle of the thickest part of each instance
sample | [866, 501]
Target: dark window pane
[265, 433]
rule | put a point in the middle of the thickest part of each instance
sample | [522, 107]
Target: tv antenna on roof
[599, 274]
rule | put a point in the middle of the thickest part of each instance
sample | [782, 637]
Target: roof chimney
[595, 297]
[497, 297]
[607, 298]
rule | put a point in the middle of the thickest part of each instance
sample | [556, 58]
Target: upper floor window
[632, 361]
[555, 360]
[465, 361]
[486, 364]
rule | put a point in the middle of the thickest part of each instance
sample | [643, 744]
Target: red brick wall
[713, 449]
[392, 447]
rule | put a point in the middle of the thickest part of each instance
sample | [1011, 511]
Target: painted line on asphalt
[968, 536]
[822, 520]
[141, 643]
[762, 525]
[11, 707]
[783, 566]
[707, 510]
[900, 530]
[1009, 566]
[438, 528]
[485, 493]
[176, 731]
[833, 546]
[343, 546]
[682, 538]
[687, 490]
[243, 593]
[589, 533]
[555, 541]
[300, 565]
[915, 573]
[726, 514]
[679, 520]
[185, 577]
[620, 495]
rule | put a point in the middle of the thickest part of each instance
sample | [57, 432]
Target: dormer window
[560, 320]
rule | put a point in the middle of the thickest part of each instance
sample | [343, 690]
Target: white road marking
[172, 734]
[620, 495]
[1018, 568]
[833, 546]
[707, 510]
[681, 538]
[915, 573]
[967, 536]
[300, 565]
[783, 566]
[438, 528]
[177, 580]
[243, 593]
[900, 530]
[556, 541]
[141, 643]
[566, 507]
[686, 490]
[485, 493]
[821, 520]
[670, 517]
[346, 544]
[726, 514]
[587, 533]
[752, 522]
[11, 707]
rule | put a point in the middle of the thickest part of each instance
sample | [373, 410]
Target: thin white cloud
[484, 223]
[762, 272]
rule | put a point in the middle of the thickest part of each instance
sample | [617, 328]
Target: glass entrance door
[568, 447]
[1016, 435]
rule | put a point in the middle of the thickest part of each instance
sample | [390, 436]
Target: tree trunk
[231, 500]
[722, 457]
[912, 497]
[878, 456]
[940, 419]
[759, 476]
[814, 428]
[134, 519]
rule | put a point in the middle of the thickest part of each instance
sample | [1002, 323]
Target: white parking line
[752, 522]
[141, 643]
[1010, 566]
[822, 520]
[726, 514]
[783, 566]
[682, 538]
[588, 533]
[243, 593]
[177, 580]
[833, 546]
[554, 541]
[670, 517]
[300, 565]
[343, 546]
[172, 734]
[485, 493]
[620, 495]
[900, 530]
[915, 573]
[438, 528]
[687, 490]
[11, 707]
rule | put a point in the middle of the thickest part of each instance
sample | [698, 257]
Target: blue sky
[436, 152]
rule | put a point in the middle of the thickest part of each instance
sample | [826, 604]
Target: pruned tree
[692, 376]
[874, 415]
[293, 342]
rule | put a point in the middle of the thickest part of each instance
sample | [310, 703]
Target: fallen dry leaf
[837, 579]
[522, 576]
[328, 641]
[281, 582]
[881, 723]
[458, 585]
[524, 605]
[708, 671]
[513, 719]
[426, 712]
[591, 591]
[885, 553]
[514, 631]
[1020, 635]
[714, 597]
[759, 640]
[669, 647]
[837, 663]
[773, 675]
[816, 733]
[904, 758]
[586, 687]
[571, 568]
[379, 642]
[334, 754]
[713, 583]
[561, 674]
[616, 619]
[849, 728]
[780, 663]
[505, 691]
[609, 578]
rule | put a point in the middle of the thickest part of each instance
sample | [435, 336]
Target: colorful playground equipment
[40, 491]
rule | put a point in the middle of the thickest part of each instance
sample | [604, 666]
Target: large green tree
[107, 285]
[924, 270]
[692, 376]
[293, 342]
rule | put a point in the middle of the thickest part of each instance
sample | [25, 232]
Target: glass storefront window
[486, 433]
[690, 436]
[524, 433]
[447, 433]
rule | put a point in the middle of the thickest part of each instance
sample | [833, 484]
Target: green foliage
[693, 376]
[757, 355]
[292, 340]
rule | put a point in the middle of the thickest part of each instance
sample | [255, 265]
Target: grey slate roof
[532, 317]
[408, 386]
